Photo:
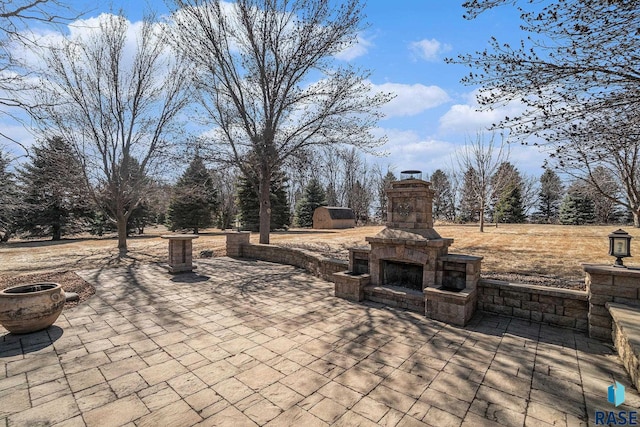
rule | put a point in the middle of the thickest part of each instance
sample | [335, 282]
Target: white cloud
[356, 50]
[22, 136]
[411, 100]
[468, 118]
[429, 50]
[407, 150]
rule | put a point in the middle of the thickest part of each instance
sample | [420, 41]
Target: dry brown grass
[534, 249]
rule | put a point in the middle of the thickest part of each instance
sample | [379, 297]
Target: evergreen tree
[280, 207]
[312, 198]
[249, 207]
[53, 200]
[503, 183]
[383, 200]
[469, 210]
[8, 200]
[577, 208]
[443, 208]
[141, 216]
[509, 207]
[195, 199]
[550, 196]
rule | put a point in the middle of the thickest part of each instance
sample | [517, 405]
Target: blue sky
[404, 47]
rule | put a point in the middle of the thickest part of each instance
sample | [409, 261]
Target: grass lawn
[523, 249]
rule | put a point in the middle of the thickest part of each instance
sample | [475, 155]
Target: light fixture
[619, 246]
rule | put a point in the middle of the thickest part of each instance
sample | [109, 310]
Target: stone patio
[252, 343]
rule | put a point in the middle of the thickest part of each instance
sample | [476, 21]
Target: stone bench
[626, 337]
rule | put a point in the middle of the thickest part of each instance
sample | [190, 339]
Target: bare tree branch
[119, 112]
[256, 62]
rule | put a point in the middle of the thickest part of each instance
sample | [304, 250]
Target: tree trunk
[636, 218]
[265, 205]
[56, 231]
[482, 216]
[121, 223]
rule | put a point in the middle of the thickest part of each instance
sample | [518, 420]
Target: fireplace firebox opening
[402, 274]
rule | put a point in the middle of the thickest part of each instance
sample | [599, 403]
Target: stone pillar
[350, 286]
[180, 252]
[609, 284]
[455, 307]
[235, 240]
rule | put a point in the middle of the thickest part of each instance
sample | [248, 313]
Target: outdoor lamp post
[619, 246]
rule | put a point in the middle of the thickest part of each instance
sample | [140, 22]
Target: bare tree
[606, 147]
[15, 18]
[117, 104]
[529, 192]
[226, 182]
[580, 58]
[381, 183]
[484, 158]
[606, 209]
[332, 174]
[577, 73]
[257, 61]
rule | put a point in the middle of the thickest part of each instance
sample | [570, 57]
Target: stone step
[395, 296]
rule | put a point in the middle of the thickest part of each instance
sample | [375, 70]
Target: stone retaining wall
[560, 307]
[315, 264]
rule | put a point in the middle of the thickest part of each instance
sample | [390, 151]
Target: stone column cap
[179, 236]
[610, 269]
[461, 258]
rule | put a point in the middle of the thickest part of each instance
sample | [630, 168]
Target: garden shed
[333, 217]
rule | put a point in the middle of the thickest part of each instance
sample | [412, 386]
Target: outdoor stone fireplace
[409, 265]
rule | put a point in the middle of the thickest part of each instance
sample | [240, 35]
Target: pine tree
[249, 207]
[443, 208]
[509, 207]
[503, 183]
[469, 205]
[312, 198]
[383, 200]
[195, 199]
[8, 200]
[141, 216]
[53, 200]
[550, 196]
[577, 209]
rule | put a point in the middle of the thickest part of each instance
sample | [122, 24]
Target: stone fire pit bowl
[30, 308]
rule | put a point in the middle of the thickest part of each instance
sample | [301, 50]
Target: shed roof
[339, 213]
